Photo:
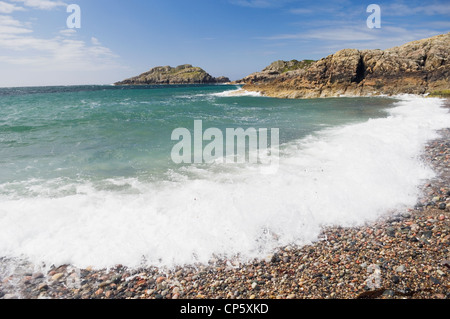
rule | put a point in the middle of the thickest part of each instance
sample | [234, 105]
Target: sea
[87, 176]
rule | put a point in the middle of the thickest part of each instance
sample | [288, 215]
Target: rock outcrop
[418, 67]
[183, 74]
[274, 70]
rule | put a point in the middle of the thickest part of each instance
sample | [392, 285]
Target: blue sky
[234, 38]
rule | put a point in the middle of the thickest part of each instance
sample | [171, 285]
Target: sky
[234, 38]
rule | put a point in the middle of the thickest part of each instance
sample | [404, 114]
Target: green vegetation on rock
[183, 74]
[441, 93]
[297, 65]
[276, 69]
[417, 67]
[287, 66]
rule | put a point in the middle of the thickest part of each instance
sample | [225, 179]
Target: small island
[182, 74]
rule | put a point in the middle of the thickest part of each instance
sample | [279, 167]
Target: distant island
[417, 67]
[183, 74]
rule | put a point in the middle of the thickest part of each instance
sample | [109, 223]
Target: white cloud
[260, 3]
[331, 39]
[9, 7]
[42, 4]
[400, 9]
[95, 41]
[61, 52]
[61, 58]
[11, 27]
[334, 34]
[301, 11]
[68, 32]
[439, 24]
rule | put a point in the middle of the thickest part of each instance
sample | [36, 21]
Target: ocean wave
[235, 93]
[343, 176]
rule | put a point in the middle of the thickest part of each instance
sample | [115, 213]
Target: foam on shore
[238, 92]
[342, 176]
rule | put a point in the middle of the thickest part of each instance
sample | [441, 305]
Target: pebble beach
[404, 255]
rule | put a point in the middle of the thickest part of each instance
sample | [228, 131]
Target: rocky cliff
[418, 67]
[274, 70]
[183, 74]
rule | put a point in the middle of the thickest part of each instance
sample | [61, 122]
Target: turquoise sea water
[96, 133]
[86, 175]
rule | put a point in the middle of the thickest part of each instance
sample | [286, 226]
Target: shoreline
[343, 95]
[404, 255]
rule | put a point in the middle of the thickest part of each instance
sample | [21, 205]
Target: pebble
[435, 281]
[390, 231]
[57, 276]
[403, 255]
[401, 268]
[99, 292]
[38, 275]
[43, 287]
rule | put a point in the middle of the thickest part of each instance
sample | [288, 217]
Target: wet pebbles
[405, 255]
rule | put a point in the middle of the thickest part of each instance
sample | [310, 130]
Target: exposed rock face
[418, 67]
[274, 70]
[183, 74]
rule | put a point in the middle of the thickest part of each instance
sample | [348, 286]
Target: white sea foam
[238, 92]
[229, 93]
[342, 176]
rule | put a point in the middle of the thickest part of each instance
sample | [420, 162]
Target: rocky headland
[182, 74]
[418, 67]
[275, 70]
